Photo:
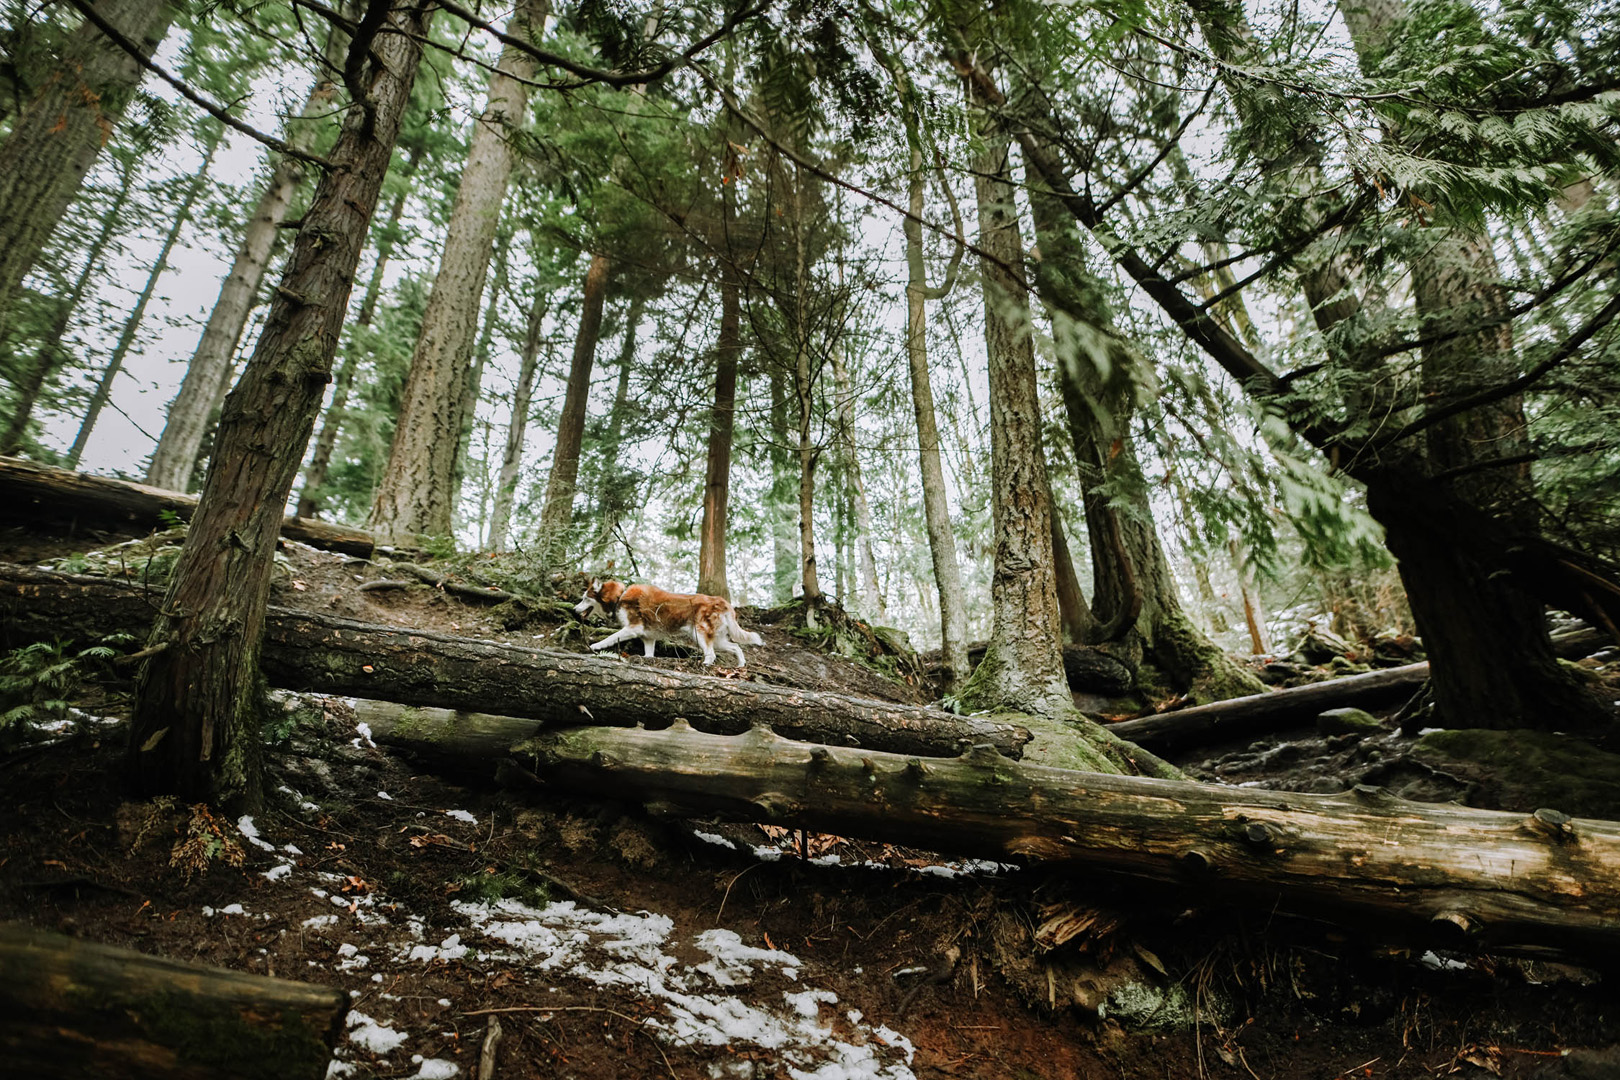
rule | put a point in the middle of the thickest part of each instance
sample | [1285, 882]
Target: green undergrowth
[825, 625]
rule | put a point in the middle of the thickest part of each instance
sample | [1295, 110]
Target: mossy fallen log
[1435, 873]
[71, 1008]
[31, 493]
[306, 651]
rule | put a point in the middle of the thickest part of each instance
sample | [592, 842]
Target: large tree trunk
[417, 493]
[132, 324]
[190, 413]
[195, 725]
[307, 651]
[936, 512]
[1023, 670]
[1437, 874]
[722, 422]
[1073, 612]
[474, 385]
[71, 1008]
[57, 136]
[804, 385]
[53, 352]
[557, 512]
[500, 515]
[309, 498]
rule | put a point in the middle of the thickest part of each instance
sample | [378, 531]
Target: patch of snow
[808, 1002]
[291, 849]
[720, 841]
[365, 736]
[733, 961]
[245, 826]
[1431, 959]
[321, 920]
[444, 1003]
[893, 1038]
[367, 1034]
[765, 853]
[1432, 730]
[461, 815]
[276, 873]
[352, 958]
[335, 1069]
[450, 948]
[434, 1068]
[385, 795]
[228, 909]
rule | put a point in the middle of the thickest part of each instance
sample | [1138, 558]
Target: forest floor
[606, 944]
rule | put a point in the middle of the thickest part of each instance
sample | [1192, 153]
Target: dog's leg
[614, 638]
[731, 646]
[648, 644]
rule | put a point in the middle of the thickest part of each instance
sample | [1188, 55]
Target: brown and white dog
[653, 614]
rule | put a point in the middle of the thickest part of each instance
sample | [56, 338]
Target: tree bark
[557, 512]
[1022, 670]
[309, 499]
[52, 353]
[34, 494]
[195, 725]
[306, 651]
[500, 515]
[936, 512]
[190, 413]
[72, 1008]
[474, 384]
[417, 492]
[57, 136]
[1073, 612]
[784, 559]
[864, 562]
[132, 325]
[1431, 873]
[722, 422]
[804, 397]
[612, 494]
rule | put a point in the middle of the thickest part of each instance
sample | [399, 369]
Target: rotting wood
[1440, 874]
[72, 1008]
[31, 493]
[306, 651]
[1260, 714]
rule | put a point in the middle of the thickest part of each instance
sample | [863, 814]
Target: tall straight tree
[132, 324]
[1023, 668]
[309, 497]
[417, 492]
[722, 422]
[173, 462]
[53, 351]
[57, 136]
[500, 515]
[195, 729]
[557, 511]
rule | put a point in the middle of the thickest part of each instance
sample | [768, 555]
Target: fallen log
[306, 651]
[1436, 873]
[71, 1008]
[1261, 714]
[31, 493]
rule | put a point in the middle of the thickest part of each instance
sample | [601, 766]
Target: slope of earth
[606, 944]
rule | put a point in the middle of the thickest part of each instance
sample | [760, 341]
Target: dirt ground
[607, 944]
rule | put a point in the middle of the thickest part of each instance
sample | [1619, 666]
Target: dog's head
[601, 597]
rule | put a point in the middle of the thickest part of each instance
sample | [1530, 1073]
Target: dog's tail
[735, 631]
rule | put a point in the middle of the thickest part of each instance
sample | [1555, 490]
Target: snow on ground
[740, 996]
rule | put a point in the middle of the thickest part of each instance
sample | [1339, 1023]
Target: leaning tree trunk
[722, 422]
[132, 325]
[309, 498]
[56, 137]
[174, 461]
[195, 726]
[52, 353]
[936, 513]
[557, 512]
[417, 492]
[500, 515]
